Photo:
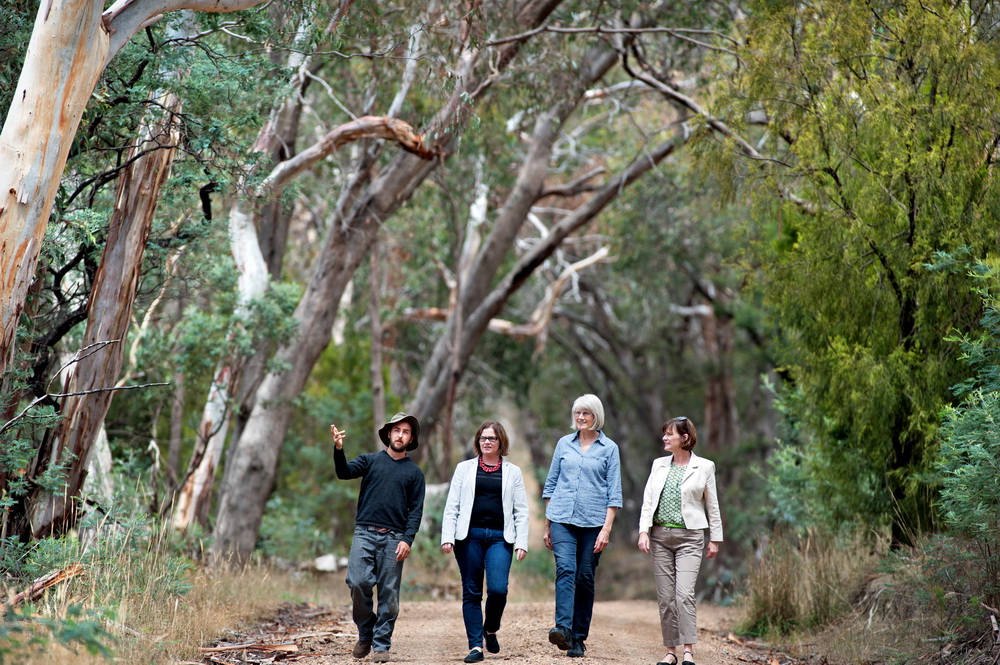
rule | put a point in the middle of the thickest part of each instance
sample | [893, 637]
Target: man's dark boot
[361, 649]
[560, 638]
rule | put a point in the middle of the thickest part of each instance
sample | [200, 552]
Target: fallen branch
[38, 587]
[254, 646]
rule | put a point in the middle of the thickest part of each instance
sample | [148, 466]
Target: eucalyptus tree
[71, 45]
[883, 121]
[109, 287]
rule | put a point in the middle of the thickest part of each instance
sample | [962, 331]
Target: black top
[392, 491]
[487, 509]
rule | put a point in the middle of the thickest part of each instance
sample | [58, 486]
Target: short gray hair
[590, 403]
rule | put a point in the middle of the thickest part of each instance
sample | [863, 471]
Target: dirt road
[432, 633]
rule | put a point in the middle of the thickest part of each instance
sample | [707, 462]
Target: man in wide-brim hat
[390, 505]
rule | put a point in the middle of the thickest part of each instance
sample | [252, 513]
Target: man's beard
[398, 446]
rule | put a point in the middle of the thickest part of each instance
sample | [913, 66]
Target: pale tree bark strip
[64, 60]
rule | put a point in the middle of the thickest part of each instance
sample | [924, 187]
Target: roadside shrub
[23, 630]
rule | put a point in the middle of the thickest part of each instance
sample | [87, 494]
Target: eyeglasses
[680, 418]
[583, 414]
[488, 439]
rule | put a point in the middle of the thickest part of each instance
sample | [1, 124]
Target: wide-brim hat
[398, 418]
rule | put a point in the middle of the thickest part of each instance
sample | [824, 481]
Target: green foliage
[970, 449]
[23, 631]
[311, 512]
[16, 18]
[885, 140]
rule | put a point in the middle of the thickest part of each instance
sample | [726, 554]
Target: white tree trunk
[65, 58]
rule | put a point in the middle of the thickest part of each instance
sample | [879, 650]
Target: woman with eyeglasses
[583, 492]
[680, 501]
[485, 524]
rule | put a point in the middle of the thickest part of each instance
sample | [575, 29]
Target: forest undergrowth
[855, 599]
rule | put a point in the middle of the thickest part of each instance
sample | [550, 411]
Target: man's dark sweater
[392, 491]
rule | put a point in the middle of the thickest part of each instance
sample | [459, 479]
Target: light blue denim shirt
[581, 487]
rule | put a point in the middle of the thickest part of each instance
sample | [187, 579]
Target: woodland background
[223, 230]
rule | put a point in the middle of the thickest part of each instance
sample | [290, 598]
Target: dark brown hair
[684, 427]
[501, 437]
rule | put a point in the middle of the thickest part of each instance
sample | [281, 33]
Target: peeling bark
[109, 314]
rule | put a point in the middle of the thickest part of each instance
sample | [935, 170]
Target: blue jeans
[373, 563]
[483, 551]
[576, 565]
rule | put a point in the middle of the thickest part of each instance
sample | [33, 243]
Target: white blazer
[462, 494]
[699, 499]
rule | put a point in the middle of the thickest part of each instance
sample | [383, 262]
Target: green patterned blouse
[668, 510]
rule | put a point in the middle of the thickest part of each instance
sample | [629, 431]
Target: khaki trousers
[676, 557]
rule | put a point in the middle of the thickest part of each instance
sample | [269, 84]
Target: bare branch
[574, 187]
[370, 127]
[718, 126]
[47, 396]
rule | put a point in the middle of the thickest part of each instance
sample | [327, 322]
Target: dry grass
[153, 603]
[855, 603]
[162, 628]
[800, 582]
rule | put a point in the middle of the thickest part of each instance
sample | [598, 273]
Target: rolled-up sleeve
[552, 479]
[614, 479]
[712, 507]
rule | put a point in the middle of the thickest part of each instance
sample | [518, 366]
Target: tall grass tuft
[802, 581]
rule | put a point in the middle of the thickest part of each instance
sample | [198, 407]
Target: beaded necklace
[486, 467]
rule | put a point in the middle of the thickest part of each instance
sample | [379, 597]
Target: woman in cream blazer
[485, 524]
[680, 501]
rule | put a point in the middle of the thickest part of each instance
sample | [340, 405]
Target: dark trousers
[484, 551]
[576, 567]
[372, 563]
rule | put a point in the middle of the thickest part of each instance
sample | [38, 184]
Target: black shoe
[687, 661]
[577, 650]
[560, 638]
[361, 648]
[474, 656]
[492, 644]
